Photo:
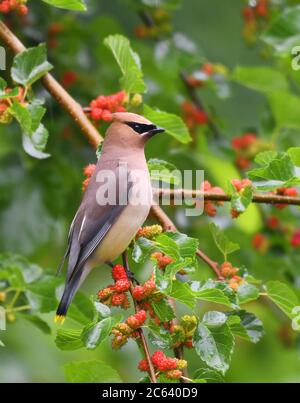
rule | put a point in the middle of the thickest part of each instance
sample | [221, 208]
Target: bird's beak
[155, 131]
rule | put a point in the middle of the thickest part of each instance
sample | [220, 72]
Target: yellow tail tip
[59, 319]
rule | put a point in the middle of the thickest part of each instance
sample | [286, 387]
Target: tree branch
[267, 198]
[141, 333]
[56, 90]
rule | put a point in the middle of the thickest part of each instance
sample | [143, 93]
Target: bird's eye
[140, 128]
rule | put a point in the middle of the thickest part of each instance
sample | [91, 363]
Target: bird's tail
[67, 297]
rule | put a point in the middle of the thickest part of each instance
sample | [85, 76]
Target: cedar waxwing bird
[115, 204]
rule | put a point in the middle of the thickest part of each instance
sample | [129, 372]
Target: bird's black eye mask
[141, 128]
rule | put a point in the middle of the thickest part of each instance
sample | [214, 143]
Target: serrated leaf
[3, 94]
[260, 78]
[187, 246]
[282, 296]
[283, 33]
[96, 332]
[214, 345]
[30, 65]
[128, 61]
[173, 124]
[82, 309]
[247, 292]
[182, 293]
[222, 241]
[163, 171]
[163, 310]
[68, 339]
[90, 372]
[279, 170]
[22, 115]
[142, 249]
[246, 325]
[75, 5]
[42, 294]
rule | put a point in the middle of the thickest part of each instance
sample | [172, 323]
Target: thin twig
[141, 333]
[198, 103]
[198, 194]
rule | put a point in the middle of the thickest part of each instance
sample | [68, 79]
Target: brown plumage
[101, 231]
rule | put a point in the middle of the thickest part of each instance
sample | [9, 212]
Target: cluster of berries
[115, 294]
[162, 260]
[193, 116]
[170, 367]
[182, 334]
[289, 192]
[245, 147]
[210, 206]
[5, 115]
[159, 25]
[230, 274]
[54, 30]
[255, 17]
[145, 295]
[88, 172]
[149, 232]
[240, 186]
[19, 6]
[103, 106]
[129, 329]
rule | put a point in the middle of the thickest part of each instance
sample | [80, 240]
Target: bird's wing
[92, 223]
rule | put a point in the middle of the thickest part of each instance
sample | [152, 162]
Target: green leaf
[3, 93]
[247, 292]
[102, 310]
[260, 78]
[246, 325]
[279, 171]
[30, 65]
[34, 144]
[76, 5]
[223, 243]
[163, 310]
[167, 245]
[283, 33]
[142, 249]
[240, 201]
[22, 115]
[38, 322]
[163, 171]
[282, 296]
[82, 309]
[182, 293]
[211, 294]
[42, 294]
[129, 63]
[68, 339]
[96, 332]
[209, 375]
[2, 318]
[187, 246]
[173, 124]
[214, 319]
[214, 342]
[90, 372]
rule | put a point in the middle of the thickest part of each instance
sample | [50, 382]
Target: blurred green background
[39, 198]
